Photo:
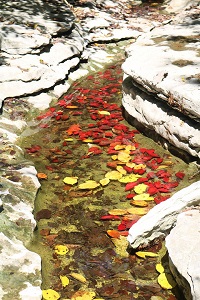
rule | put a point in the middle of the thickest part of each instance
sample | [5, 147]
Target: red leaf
[180, 175]
[160, 199]
[129, 186]
[109, 217]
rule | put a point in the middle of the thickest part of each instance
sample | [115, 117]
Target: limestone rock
[160, 219]
[183, 244]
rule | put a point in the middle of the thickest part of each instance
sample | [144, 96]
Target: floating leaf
[87, 140]
[109, 217]
[166, 281]
[89, 184]
[137, 211]
[42, 175]
[103, 112]
[104, 181]
[70, 180]
[64, 280]
[129, 178]
[50, 295]
[143, 254]
[145, 197]
[130, 164]
[124, 156]
[140, 203]
[61, 249]
[78, 277]
[119, 147]
[113, 175]
[140, 188]
[113, 233]
[130, 147]
[118, 212]
[121, 170]
[140, 166]
[160, 268]
[73, 129]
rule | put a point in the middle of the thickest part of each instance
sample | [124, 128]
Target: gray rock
[183, 244]
[160, 219]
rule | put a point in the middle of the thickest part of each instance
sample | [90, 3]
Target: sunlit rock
[158, 222]
[183, 244]
[19, 265]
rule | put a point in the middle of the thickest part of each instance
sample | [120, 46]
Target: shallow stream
[81, 230]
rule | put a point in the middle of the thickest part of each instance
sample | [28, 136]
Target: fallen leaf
[113, 175]
[89, 184]
[124, 156]
[78, 277]
[103, 112]
[145, 197]
[137, 211]
[140, 203]
[64, 280]
[129, 178]
[143, 254]
[160, 268]
[104, 181]
[166, 281]
[42, 176]
[70, 180]
[83, 295]
[121, 170]
[109, 217]
[140, 188]
[50, 295]
[113, 233]
[118, 212]
[61, 249]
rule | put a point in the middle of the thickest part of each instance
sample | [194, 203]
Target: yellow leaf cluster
[50, 295]
[61, 249]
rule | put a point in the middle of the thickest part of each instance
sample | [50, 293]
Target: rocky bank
[44, 47]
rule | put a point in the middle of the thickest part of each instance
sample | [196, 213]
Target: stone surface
[186, 232]
[160, 219]
[161, 79]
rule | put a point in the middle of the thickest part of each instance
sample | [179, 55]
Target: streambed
[81, 136]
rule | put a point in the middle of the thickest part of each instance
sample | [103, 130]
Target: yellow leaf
[121, 170]
[160, 268]
[124, 156]
[119, 147]
[140, 166]
[162, 167]
[166, 281]
[118, 212]
[50, 295]
[64, 280]
[130, 164]
[114, 157]
[130, 147]
[129, 178]
[145, 197]
[113, 175]
[140, 188]
[61, 249]
[69, 139]
[140, 203]
[70, 180]
[143, 254]
[137, 211]
[104, 181]
[103, 112]
[83, 295]
[78, 277]
[89, 184]
[87, 141]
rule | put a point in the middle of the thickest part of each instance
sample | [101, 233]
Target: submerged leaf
[78, 277]
[50, 295]
[166, 281]
[89, 184]
[70, 180]
[61, 249]
[143, 254]
[83, 295]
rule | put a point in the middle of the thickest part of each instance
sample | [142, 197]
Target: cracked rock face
[161, 82]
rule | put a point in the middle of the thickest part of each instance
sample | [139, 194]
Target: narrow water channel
[89, 160]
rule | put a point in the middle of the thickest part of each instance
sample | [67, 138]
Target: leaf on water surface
[61, 249]
[180, 175]
[166, 281]
[113, 233]
[103, 112]
[104, 181]
[78, 277]
[140, 188]
[42, 176]
[140, 166]
[113, 175]
[69, 139]
[50, 295]
[144, 196]
[70, 180]
[130, 164]
[129, 178]
[140, 203]
[64, 280]
[117, 212]
[87, 141]
[73, 129]
[137, 211]
[109, 217]
[124, 156]
[143, 254]
[89, 184]
[121, 170]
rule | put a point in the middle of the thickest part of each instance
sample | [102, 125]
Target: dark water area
[82, 223]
